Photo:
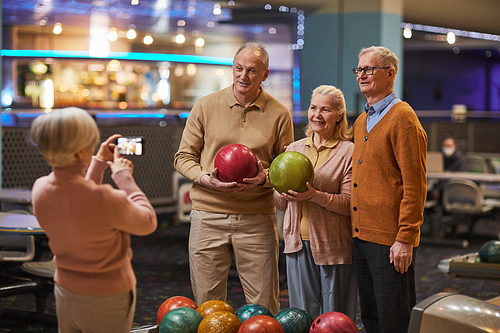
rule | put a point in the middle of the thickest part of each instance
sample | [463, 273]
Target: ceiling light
[131, 34]
[407, 33]
[199, 42]
[450, 38]
[210, 24]
[217, 10]
[181, 23]
[272, 31]
[57, 29]
[180, 38]
[231, 3]
[112, 35]
[134, 2]
[98, 47]
[268, 7]
[148, 39]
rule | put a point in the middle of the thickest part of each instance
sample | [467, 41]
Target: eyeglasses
[368, 70]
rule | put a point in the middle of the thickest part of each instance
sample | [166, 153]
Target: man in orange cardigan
[388, 191]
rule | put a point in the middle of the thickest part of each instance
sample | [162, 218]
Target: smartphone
[130, 145]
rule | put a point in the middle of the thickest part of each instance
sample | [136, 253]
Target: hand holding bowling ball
[290, 171]
[235, 162]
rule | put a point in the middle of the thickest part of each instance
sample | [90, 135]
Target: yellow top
[318, 157]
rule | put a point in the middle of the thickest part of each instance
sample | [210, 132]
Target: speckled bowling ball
[181, 320]
[219, 322]
[212, 306]
[294, 320]
[250, 310]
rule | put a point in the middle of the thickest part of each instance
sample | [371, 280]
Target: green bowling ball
[294, 320]
[181, 320]
[490, 252]
[290, 171]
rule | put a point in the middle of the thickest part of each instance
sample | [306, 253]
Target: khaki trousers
[251, 239]
[94, 314]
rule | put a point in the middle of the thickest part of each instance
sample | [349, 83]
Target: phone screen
[130, 145]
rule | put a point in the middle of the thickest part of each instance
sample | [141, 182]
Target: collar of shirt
[380, 106]
[260, 102]
[378, 110]
[331, 143]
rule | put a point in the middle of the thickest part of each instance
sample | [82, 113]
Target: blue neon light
[183, 114]
[28, 114]
[130, 115]
[184, 58]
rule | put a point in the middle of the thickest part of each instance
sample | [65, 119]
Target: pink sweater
[330, 222]
[89, 225]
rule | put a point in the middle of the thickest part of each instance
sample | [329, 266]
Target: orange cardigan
[388, 186]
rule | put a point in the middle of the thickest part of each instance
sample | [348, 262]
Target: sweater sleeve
[187, 158]
[138, 215]
[96, 170]
[410, 152]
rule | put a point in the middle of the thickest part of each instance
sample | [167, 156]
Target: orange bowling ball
[220, 322]
[212, 306]
[172, 303]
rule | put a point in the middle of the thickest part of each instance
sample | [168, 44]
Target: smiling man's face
[248, 73]
[378, 85]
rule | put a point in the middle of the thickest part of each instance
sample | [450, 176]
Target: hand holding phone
[130, 145]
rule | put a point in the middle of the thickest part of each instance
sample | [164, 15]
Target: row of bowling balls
[180, 314]
[288, 171]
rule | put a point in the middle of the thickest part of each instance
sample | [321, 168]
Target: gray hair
[342, 130]
[386, 57]
[60, 134]
[259, 46]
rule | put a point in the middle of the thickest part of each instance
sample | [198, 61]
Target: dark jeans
[386, 296]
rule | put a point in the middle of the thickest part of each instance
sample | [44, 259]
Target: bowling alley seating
[17, 251]
[463, 200]
[477, 164]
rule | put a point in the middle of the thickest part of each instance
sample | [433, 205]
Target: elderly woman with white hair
[88, 224]
[317, 225]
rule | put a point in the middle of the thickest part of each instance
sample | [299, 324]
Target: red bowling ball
[333, 322]
[235, 162]
[261, 324]
[172, 303]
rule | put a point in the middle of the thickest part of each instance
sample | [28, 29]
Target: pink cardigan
[89, 226]
[329, 216]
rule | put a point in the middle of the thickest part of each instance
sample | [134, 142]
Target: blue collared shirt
[378, 110]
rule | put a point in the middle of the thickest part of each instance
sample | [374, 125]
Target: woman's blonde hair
[60, 134]
[342, 130]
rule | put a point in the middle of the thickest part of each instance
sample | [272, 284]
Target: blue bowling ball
[250, 310]
[294, 320]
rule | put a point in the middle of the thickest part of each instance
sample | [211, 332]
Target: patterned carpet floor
[161, 265]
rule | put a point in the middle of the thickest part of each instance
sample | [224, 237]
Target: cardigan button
[355, 184]
[360, 161]
[366, 138]
[355, 208]
[356, 229]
